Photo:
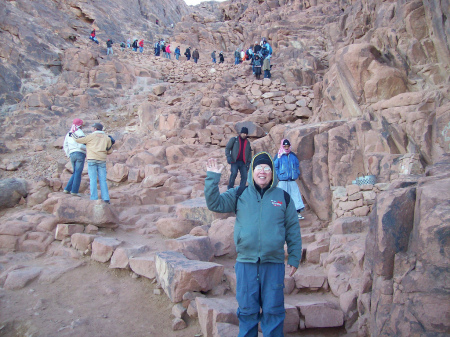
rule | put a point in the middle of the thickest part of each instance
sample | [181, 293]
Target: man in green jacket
[265, 220]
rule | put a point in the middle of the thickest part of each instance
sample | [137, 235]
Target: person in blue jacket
[288, 171]
[265, 221]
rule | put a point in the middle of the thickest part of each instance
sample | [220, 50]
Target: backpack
[113, 141]
[241, 189]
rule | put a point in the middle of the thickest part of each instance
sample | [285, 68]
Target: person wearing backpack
[266, 67]
[177, 53]
[135, 45]
[187, 53]
[265, 221]
[221, 58]
[238, 152]
[98, 146]
[287, 168]
[122, 46]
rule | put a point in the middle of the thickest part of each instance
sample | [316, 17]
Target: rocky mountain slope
[357, 87]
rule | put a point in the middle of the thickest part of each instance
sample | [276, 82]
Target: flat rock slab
[178, 275]
[196, 209]
[103, 248]
[321, 314]
[212, 311]
[19, 278]
[310, 278]
[193, 247]
[85, 211]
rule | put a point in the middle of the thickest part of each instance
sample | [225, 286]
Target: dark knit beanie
[262, 158]
[244, 130]
[286, 142]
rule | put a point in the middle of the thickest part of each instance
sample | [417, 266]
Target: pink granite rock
[144, 265]
[321, 314]
[212, 311]
[85, 211]
[175, 227]
[82, 241]
[221, 236]
[193, 247]
[66, 230]
[178, 275]
[103, 248]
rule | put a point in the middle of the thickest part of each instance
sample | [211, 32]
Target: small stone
[178, 324]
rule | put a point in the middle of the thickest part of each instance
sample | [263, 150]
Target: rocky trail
[358, 87]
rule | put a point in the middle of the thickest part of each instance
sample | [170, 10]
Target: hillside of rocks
[358, 87]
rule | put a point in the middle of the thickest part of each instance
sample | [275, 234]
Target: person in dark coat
[187, 53]
[195, 55]
[221, 58]
[257, 64]
[109, 49]
[239, 154]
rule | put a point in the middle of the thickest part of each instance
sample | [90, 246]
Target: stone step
[320, 310]
[311, 278]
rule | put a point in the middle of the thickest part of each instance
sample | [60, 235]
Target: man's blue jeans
[260, 286]
[235, 167]
[214, 60]
[77, 159]
[236, 60]
[97, 168]
[141, 49]
[177, 56]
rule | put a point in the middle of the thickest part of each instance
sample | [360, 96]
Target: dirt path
[90, 300]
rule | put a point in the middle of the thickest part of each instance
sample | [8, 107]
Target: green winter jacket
[262, 225]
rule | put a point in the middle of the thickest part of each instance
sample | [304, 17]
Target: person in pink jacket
[168, 51]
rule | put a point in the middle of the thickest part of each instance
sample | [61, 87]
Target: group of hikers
[258, 54]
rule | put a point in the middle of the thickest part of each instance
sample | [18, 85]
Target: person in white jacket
[77, 154]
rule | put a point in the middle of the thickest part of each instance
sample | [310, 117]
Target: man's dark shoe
[106, 201]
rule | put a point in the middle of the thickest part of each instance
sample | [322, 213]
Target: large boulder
[85, 211]
[178, 275]
[221, 237]
[11, 191]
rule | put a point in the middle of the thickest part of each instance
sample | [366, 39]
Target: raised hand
[212, 166]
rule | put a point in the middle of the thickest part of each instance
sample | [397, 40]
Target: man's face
[262, 175]
[243, 135]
